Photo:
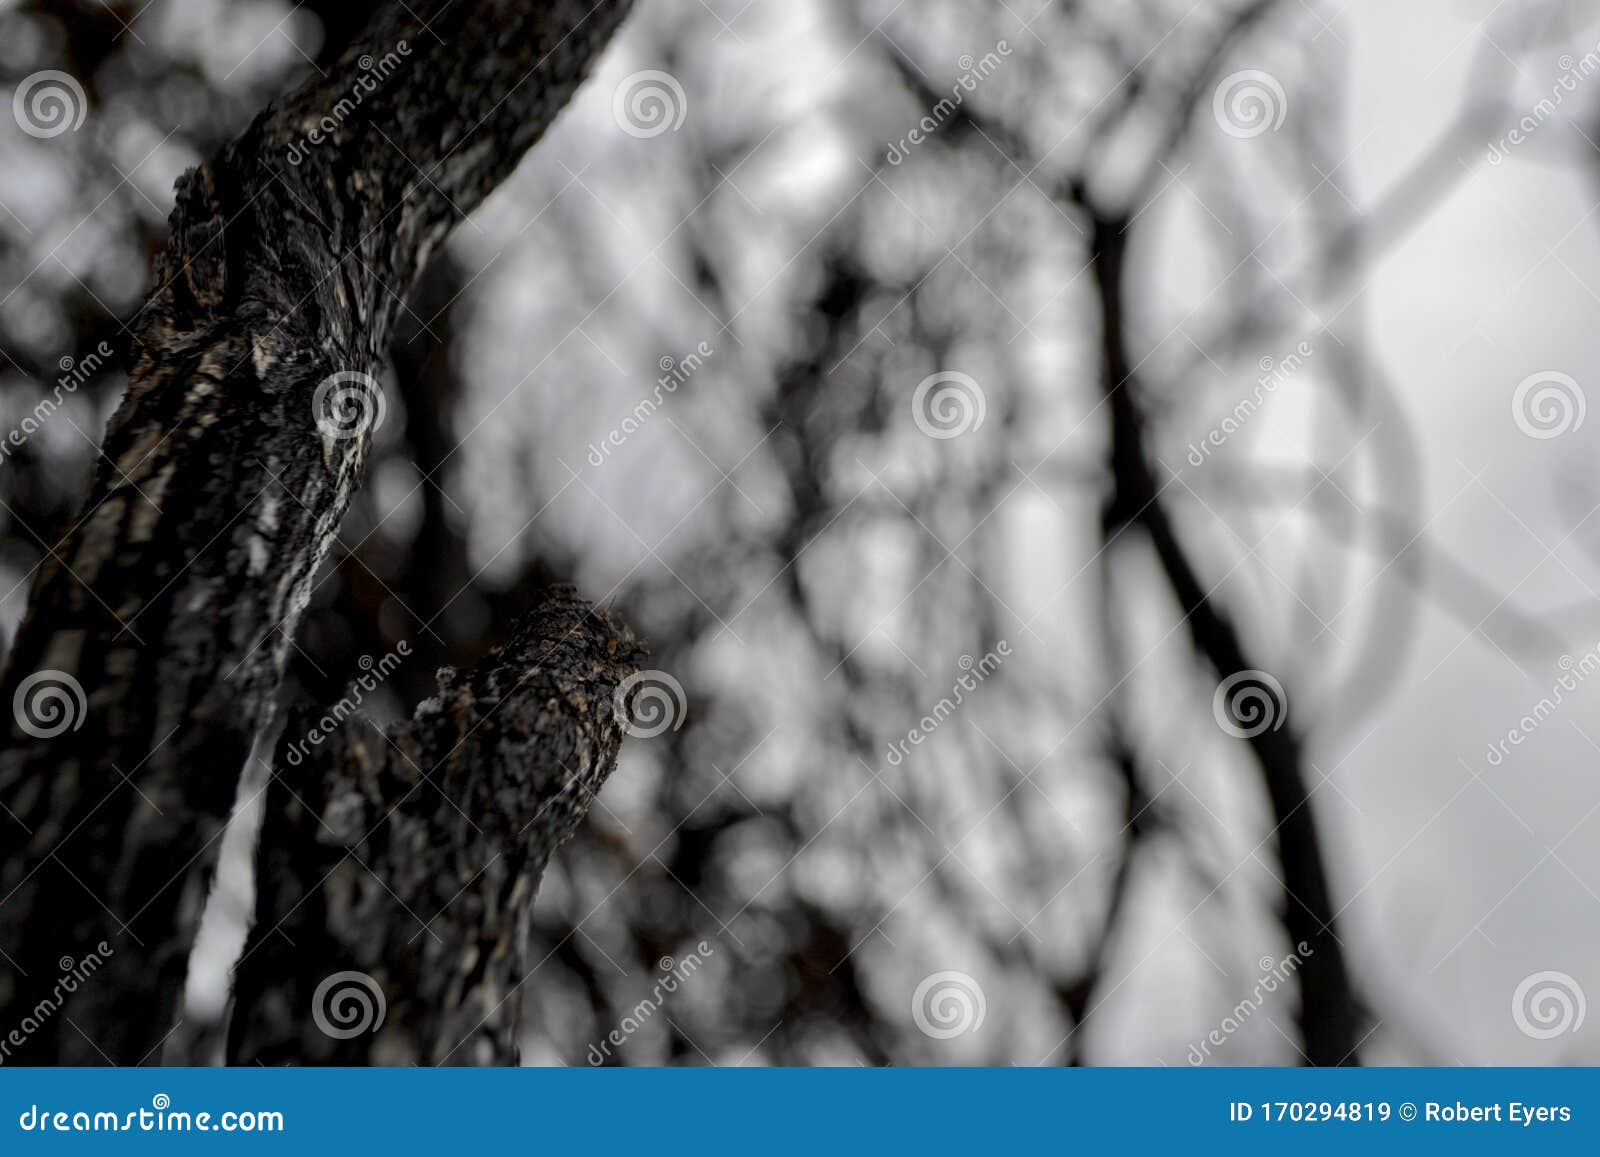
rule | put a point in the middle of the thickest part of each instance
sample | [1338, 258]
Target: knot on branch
[413, 856]
[517, 745]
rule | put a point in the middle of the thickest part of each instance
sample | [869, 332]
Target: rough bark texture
[410, 861]
[172, 602]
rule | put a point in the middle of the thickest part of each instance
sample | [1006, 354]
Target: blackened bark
[1329, 1013]
[399, 871]
[172, 602]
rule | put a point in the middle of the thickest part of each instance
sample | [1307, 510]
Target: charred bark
[164, 616]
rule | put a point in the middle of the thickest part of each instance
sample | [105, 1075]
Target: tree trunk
[157, 629]
[396, 874]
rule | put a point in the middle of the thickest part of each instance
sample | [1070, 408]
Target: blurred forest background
[961, 398]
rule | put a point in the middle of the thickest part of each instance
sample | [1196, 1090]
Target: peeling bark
[409, 862]
[173, 600]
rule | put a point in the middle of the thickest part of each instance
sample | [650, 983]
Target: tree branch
[410, 861]
[1329, 1013]
[166, 613]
